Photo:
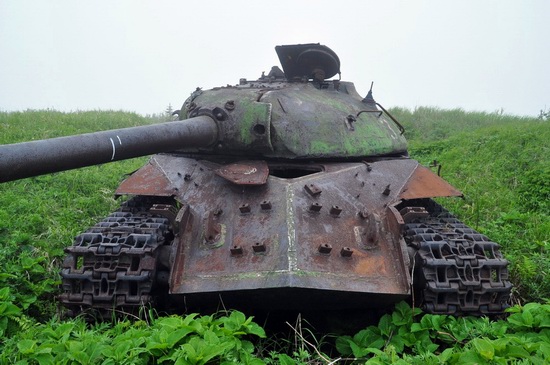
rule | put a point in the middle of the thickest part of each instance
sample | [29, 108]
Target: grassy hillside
[502, 165]
[500, 162]
[40, 216]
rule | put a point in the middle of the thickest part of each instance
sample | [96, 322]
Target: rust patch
[245, 172]
[274, 239]
[373, 267]
[423, 183]
[148, 180]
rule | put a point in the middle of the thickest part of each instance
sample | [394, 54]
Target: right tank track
[456, 270]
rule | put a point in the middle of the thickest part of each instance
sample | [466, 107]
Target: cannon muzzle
[26, 159]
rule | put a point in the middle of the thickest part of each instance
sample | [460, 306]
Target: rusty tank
[291, 191]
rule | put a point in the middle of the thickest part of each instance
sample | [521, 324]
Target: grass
[40, 216]
[504, 171]
[427, 124]
[39, 124]
[500, 162]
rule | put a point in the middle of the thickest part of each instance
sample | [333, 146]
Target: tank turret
[291, 191]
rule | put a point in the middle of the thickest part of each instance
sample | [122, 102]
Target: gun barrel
[26, 159]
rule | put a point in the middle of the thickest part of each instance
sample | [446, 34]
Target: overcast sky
[143, 55]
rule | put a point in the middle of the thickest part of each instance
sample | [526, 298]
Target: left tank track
[112, 266]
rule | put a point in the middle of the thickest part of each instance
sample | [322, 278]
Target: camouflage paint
[307, 121]
[314, 124]
[253, 113]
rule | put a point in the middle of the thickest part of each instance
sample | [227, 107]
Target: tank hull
[281, 236]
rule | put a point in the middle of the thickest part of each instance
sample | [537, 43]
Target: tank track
[112, 266]
[456, 269]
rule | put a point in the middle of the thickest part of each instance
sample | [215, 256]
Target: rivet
[325, 248]
[236, 250]
[258, 247]
[312, 189]
[346, 252]
[244, 208]
[315, 207]
[335, 210]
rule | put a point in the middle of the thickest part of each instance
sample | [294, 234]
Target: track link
[457, 270]
[112, 266]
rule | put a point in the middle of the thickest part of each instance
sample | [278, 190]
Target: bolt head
[244, 208]
[325, 248]
[315, 207]
[346, 252]
[236, 250]
[258, 247]
[335, 210]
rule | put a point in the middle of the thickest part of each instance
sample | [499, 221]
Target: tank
[289, 192]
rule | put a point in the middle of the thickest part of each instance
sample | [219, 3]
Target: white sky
[142, 55]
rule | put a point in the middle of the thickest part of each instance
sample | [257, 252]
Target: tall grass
[40, 216]
[428, 124]
[502, 164]
[40, 124]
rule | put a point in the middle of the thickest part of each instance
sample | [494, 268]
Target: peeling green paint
[318, 147]
[307, 123]
[254, 113]
[314, 124]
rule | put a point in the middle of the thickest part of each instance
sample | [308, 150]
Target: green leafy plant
[407, 337]
[190, 339]
[8, 312]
